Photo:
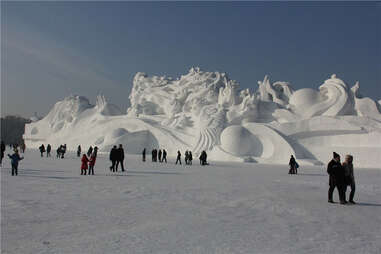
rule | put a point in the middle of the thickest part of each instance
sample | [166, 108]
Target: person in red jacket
[93, 158]
[84, 161]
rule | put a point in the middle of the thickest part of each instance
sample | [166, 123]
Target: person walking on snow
[164, 156]
[63, 151]
[79, 151]
[90, 151]
[42, 150]
[15, 158]
[48, 149]
[349, 177]
[84, 166]
[92, 160]
[292, 164]
[160, 153]
[144, 155]
[113, 158]
[120, 158]
[178, 159]
[336, 179]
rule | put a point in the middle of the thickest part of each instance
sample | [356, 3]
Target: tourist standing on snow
[15, 158]
[120, 157]
[84, 166]
[144, 155]
[336, 179]
[186, 157]
[113, 158]
[58, 152]
[292, 164]
[90, 151]
[79, 151]
[95, 151]
[190, 158]
[349, 177]
[160, 153]
[178, 159]
[23, 146]
[63, 151]
[164, 156]
[2, 152]
[42, 150]
[92, 160]
[48, 149]
[203, 158]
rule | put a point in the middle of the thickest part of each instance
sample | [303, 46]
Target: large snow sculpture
[208, 111]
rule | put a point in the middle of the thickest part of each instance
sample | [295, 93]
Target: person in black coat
[336, 179]
[2, 152]
[120, 157]
[42, 150]
[113, 158]
[203, 158]
[144, 154]
[164, 156]
[160, 153]
[90, 151]
[48, 149]
[79, 151]
[292, 164]
[178, 159]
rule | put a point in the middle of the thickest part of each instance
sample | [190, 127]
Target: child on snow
[15, 158]
[84, 167]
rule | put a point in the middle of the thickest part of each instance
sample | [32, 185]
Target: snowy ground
[164, 208]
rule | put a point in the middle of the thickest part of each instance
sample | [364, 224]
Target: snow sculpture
[208, 111]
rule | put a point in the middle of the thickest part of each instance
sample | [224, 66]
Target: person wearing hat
[336, 179]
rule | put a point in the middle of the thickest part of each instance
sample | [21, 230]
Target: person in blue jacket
[15, 158]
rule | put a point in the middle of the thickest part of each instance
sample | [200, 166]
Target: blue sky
[54, 49]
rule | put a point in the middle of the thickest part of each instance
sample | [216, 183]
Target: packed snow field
[226, 207]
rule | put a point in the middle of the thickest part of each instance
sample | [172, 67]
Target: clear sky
[53, 49]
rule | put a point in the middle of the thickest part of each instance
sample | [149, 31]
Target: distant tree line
[12, 129]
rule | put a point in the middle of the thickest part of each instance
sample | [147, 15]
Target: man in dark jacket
[113, 158]
[42, 150]
[164, 156]
[120, 157]
[48, 149]
[178, 159]
[292, 164]
[336, 178]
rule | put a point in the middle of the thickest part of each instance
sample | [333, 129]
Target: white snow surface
[226, 207]
[208, 111]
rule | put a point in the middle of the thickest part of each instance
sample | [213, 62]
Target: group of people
[188, 157]
[47, 150]
[116, 158]
[61, 150]
[341, 176]
[88, 163]
[160, 155]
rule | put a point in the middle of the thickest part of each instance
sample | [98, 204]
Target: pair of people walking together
[341, 176]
